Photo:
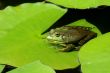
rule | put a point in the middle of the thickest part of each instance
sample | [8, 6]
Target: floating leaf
[81, 4]
[21, 42]
[95, 55]
[35, 67]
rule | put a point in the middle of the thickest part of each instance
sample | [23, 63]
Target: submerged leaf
[35, 67]
[95, 55]
[81, 4]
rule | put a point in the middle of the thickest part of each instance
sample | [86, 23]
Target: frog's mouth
[54, 40]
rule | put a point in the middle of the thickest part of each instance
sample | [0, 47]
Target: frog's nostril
[49, 37]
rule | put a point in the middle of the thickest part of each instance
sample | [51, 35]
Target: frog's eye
[57, 35]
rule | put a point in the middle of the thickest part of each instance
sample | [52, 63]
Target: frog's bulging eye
[57, 35]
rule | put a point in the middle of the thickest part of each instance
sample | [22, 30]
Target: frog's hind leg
[67, 48]
[87, 38]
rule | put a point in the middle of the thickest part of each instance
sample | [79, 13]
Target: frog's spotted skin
[68, 36]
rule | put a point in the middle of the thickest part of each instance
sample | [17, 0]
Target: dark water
[8, 68]
[76, 70]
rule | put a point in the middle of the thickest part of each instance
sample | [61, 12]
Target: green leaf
[95, 55]
[84, 23]
[34, 67]
[1, 68]
[81, 4]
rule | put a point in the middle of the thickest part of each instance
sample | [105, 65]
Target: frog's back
[75, 33]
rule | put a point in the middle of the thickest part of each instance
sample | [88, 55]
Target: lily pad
[21, 40]
[34, 67]
[95, 55]
[81, 4]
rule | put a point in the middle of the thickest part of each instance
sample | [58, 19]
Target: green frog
[70, 37]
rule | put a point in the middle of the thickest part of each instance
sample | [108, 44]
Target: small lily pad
[81, 4]
[34, 67]
[95, 55]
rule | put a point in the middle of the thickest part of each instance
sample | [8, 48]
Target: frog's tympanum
[70, 37]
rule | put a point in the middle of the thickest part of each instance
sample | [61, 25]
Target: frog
[70, 37]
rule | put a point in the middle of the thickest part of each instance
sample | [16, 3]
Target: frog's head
[55, 36]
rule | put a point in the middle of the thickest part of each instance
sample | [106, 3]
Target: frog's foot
[77, 48]
[64, 50]
[68, 48]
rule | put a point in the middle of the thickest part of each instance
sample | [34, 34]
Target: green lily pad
[34, 67]
[95, 55]
[21, 40]
[1, 68]
[81, 4]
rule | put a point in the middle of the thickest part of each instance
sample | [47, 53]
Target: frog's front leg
[88, 37]
[67, 47]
